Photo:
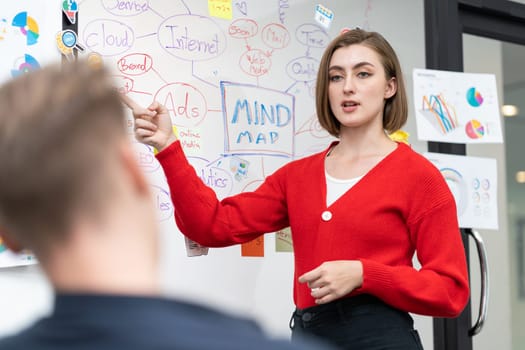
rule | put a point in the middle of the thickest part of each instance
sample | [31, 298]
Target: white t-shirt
[335, 188]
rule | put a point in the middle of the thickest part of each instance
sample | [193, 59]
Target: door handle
[484, 296]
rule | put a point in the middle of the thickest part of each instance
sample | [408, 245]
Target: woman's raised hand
[152, 125]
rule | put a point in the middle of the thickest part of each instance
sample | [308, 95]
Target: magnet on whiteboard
[323, 16]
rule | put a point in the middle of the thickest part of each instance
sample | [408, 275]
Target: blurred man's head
[65, 159]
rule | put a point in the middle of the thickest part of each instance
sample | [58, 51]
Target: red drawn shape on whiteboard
[124, 84]
[186, 104]
[135, 64]
[275, 36]
[255, 62]
[243, 28]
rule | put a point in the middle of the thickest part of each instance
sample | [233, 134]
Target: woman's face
[358, 87]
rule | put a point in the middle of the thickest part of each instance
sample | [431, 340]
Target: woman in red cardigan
[366, 207]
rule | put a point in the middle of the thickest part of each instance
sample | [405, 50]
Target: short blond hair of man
[59, 127]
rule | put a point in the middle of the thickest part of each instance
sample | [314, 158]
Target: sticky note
[283, 240]
[323, 16]
[194, 249]
[220, 8]
[253, 248]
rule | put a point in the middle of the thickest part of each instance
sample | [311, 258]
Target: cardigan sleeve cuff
[173, 160]
[376, 278]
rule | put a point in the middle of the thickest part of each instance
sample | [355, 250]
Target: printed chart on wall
[456, 107]
[238, 78]
[27, 35]
[27, 41]
[473, 182]
[9, 259]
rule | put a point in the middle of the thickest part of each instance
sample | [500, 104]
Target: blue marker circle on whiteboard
[69, 38]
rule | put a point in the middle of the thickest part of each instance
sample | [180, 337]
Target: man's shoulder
[17, 341]
[154, 323]
[221, 330]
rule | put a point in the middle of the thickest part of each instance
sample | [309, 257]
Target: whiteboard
[241, 92]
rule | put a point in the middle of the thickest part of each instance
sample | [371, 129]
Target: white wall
[24, 296]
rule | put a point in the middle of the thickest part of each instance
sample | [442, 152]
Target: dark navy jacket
[128, 322]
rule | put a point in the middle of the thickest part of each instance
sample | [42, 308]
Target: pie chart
[457, 186]
[25, 64]
[28, 27]
[3, 28]
[474, 129]
[474, 97]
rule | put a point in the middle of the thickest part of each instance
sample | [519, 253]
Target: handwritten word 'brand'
[135, 64]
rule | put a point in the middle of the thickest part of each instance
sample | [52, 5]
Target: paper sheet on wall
[27, 35]
[456, 107]
[27, 41]
[474, 184]
[9, 259]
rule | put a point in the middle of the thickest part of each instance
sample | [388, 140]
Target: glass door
[474, 36]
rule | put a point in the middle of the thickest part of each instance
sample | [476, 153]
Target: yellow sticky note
[220, 8]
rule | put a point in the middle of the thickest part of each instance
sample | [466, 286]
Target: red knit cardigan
[400, 207]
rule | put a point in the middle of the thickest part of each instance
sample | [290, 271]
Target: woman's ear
[391, 88]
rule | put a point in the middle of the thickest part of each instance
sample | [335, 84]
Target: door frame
[445, 23]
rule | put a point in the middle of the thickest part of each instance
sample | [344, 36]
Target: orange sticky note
[220, 8]
[253, 248]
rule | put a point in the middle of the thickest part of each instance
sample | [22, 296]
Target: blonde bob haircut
[395, 112]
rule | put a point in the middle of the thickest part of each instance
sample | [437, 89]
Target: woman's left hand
[333, 279]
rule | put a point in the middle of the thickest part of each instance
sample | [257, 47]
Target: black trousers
[362, 322]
